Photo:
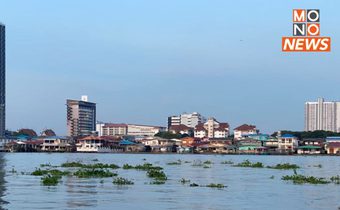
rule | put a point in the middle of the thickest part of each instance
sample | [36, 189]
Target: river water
[247, 188]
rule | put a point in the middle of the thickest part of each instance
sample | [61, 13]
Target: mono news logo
[306, 33]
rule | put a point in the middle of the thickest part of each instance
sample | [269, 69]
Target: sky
[144, 60]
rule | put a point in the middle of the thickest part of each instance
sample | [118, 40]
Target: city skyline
[146, 69]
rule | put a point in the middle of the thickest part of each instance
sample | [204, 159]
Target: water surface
[247, 188]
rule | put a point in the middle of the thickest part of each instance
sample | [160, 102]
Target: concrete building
[2, 81]
[190, 120]
[288, 143]
[244, 131]
[322, 115]
[144, 130]
[112, 129]
[81, 117]
[212, 129]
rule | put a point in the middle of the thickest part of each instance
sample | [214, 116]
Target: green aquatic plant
[50, 180]
[144, 167]
[212, 185]
[157, 174]
[71, 165]
[301, 179]
[122, 181]
[284, 166]
[179, 162]
[208, 162]
[95, 160]
[94, 173]
[249, 164]
[183, 181]
[100, 165]
[227, 162]
[272, 177]
[54, 172]
[194, 185]
[157, 182]
[335, 179]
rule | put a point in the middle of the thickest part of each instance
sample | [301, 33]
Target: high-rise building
[322, 115]
[81, 117]
[190, 120]
[2, 81]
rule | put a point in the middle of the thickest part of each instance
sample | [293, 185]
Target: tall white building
[322, 115]
[190, 120]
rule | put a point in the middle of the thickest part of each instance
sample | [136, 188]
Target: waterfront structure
[212, 129]
[2, 81]
[311, 146]
[287, 143]
[322, 115]
[190, 120]
[81, 117]
[98, 144]
[57, 144]
[244, 131]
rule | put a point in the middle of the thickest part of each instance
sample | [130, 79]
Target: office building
[190, 120]
[81, 117]
[2, 81]
[322, 115]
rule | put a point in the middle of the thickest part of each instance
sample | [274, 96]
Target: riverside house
[287, 143]
[98, 144]
[332, 145]
[57, 144]
[311, 146]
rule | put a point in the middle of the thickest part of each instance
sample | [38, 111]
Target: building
[81, 117]
[244, 131]
[311, 146]
[212, 129]
[57, 144]
[287, 143]
[2, 81]
[173, 121]
[322, 115]
[98, 144]
[181, 129]
[112, 129]
[190, 120]
[144, 130]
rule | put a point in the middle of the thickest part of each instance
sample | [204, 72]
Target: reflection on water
[2, 180]
[247, 188]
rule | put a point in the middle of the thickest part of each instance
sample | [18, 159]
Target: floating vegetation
[335, 179]
[100, 165]
[301, 179]
[122, 181]
[46, 165]
[208, 162]
[272, 177]
[228, 162]
[50, 180]
[101, 181]
[54, 172]
[13, 171]
[205, 166]
[71, 165]
[183, 181]
[212, 185]
[157, 174]
[194, 185]
[178, 162]
[285, 166]
[144, 167]
[249, 164]
[318, 166]
[95, 160]
[92, 173]
[187, 161]
[157, 182]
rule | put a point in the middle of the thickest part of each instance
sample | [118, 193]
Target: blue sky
[142, 61]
